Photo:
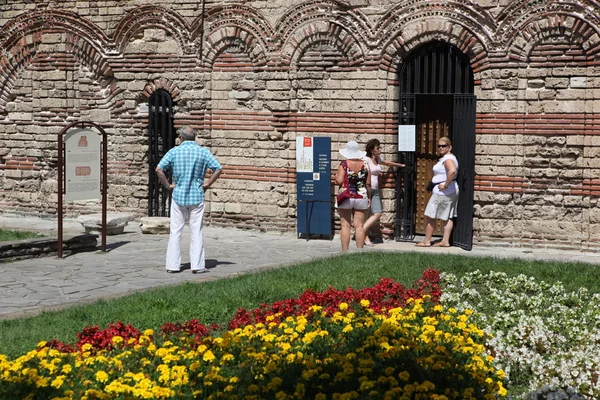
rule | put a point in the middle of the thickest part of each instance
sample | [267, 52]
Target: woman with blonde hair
[444, 197]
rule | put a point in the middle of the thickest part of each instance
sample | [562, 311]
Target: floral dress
[356, 182]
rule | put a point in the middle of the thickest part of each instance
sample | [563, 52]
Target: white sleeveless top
[439, 176]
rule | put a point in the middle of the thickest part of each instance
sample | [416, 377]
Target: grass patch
[217, 301]
[7, 235]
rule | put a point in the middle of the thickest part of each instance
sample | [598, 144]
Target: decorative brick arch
[467, 15]
[44, 20]
[24, 51]
[232, 36]
[413, 23]
[234, 26]
[520, 15]
[399, 47]
[571, 29]
[89, 56]
[144, 17]
[310, 12]
[325, 33]
[162, 83]
[243, 17]
[20, 37]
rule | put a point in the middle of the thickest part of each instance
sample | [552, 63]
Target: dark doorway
[432, 122]
[436, 97]
[161, 138]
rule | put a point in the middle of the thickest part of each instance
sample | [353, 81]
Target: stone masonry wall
[253, 75]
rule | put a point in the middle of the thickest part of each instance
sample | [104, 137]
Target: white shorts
[354, 204]
[442, 207]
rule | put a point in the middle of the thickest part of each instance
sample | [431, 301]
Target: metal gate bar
[160, 140]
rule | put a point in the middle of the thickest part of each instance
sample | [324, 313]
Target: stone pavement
[135, 261]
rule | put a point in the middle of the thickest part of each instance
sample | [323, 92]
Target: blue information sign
[313, 186]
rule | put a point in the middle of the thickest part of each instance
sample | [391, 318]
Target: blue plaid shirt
[188, 163]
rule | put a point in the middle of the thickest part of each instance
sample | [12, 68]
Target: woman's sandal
[369, 243]
[423, 244]
[440, 244]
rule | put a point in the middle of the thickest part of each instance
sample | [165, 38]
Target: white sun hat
[352, 150]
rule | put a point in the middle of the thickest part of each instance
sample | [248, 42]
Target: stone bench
[115, 222]
[154, 225]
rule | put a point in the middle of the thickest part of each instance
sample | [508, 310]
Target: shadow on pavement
[210, 263]
[116, 245]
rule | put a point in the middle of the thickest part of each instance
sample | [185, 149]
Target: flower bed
[380, 342]
[546, 339]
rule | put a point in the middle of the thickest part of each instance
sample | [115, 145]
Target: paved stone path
[135, 261]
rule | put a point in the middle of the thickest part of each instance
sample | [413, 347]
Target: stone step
[154, 225]
[115, 222]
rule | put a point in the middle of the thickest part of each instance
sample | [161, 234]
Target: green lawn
[8, 235]
[217, 301]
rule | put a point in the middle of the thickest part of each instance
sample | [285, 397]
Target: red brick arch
[400, 46]
[322, 32]
[520, 15]
[144, 17]
[44, 20]
[229, 36]
[309, 12]
[572, 29]
[162, 83]
[409, 25]
[233, 26]
[21, 36]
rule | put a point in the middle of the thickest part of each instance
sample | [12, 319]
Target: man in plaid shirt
[188, 163]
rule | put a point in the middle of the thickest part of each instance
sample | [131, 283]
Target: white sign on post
[82, 164]
[407, 137]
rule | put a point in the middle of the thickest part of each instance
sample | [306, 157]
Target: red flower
[384, 295]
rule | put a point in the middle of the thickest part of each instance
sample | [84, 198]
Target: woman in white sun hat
[354, 179]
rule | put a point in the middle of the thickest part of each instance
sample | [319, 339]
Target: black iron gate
[405, 188]
[438, 68]
[161, 138]
[463, 147]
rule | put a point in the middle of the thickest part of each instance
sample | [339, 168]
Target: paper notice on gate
[407, 137]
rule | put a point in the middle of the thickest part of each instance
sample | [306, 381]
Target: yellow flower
[66, 369]
[101, 376]
[365, 303]
[404, 375]
[500, 388]
[58, 381]
[343, 306]
[208, 356]
[117, 340]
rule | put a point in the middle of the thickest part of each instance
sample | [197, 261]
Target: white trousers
[176, 224]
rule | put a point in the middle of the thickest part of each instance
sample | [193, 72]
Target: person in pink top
[375, 162]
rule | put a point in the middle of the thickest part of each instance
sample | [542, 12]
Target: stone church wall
[253, 75]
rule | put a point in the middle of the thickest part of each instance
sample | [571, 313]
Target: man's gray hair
[187, 133]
